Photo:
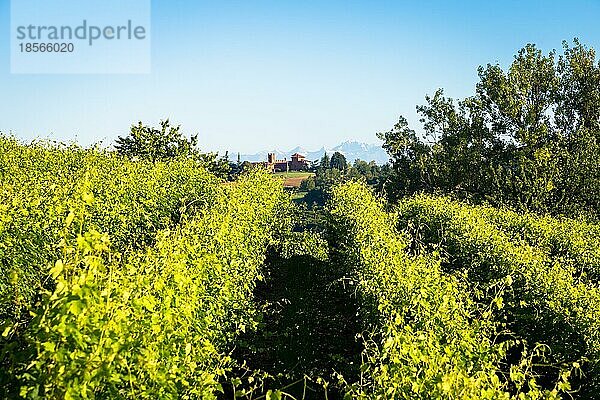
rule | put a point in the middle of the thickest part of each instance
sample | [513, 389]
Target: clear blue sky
[275, 74]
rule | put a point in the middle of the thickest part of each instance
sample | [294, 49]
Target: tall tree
[324, 162]
[168, 142]
[338, 161]
[156, 144]
[528, 138]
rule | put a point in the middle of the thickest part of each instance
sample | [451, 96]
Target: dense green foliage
[142, 273]
[529, 137]
[338, 161]
[329, 173]
[126, 279]
[167, 143]
[572, 242]
[42, 184]
[429, 338]
[142, 279]
[545, 300]
[155, 323]
[156, 144]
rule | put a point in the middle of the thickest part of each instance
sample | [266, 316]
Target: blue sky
[258, 75]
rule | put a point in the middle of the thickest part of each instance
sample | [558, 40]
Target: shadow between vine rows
[308, 330]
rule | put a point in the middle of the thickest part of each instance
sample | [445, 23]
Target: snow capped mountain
[298, 149]
[352, 150]
[260, 156]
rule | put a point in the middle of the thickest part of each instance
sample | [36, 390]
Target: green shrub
[429, 339]
[544, 303]
[155, 323]
[41, 184]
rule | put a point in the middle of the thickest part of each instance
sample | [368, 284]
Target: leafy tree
[408, 156]
[217, 165]
[369, 171]
[320, 185]
[528, 137]
[246, 166]
[338, 161]
[166, 143]
[326, 177]
[156, 144]
[324, 162]
[308, 184]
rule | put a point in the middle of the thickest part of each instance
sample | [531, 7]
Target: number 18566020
[47, 47]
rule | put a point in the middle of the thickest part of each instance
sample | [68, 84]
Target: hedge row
[428, 338]
[155, 323]
[41, 184]
[543, 301]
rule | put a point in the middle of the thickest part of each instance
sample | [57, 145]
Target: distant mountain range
[352, 150]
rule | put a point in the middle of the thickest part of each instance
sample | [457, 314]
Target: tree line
[528, 138]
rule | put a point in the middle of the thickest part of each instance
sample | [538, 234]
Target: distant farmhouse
[297, 163]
